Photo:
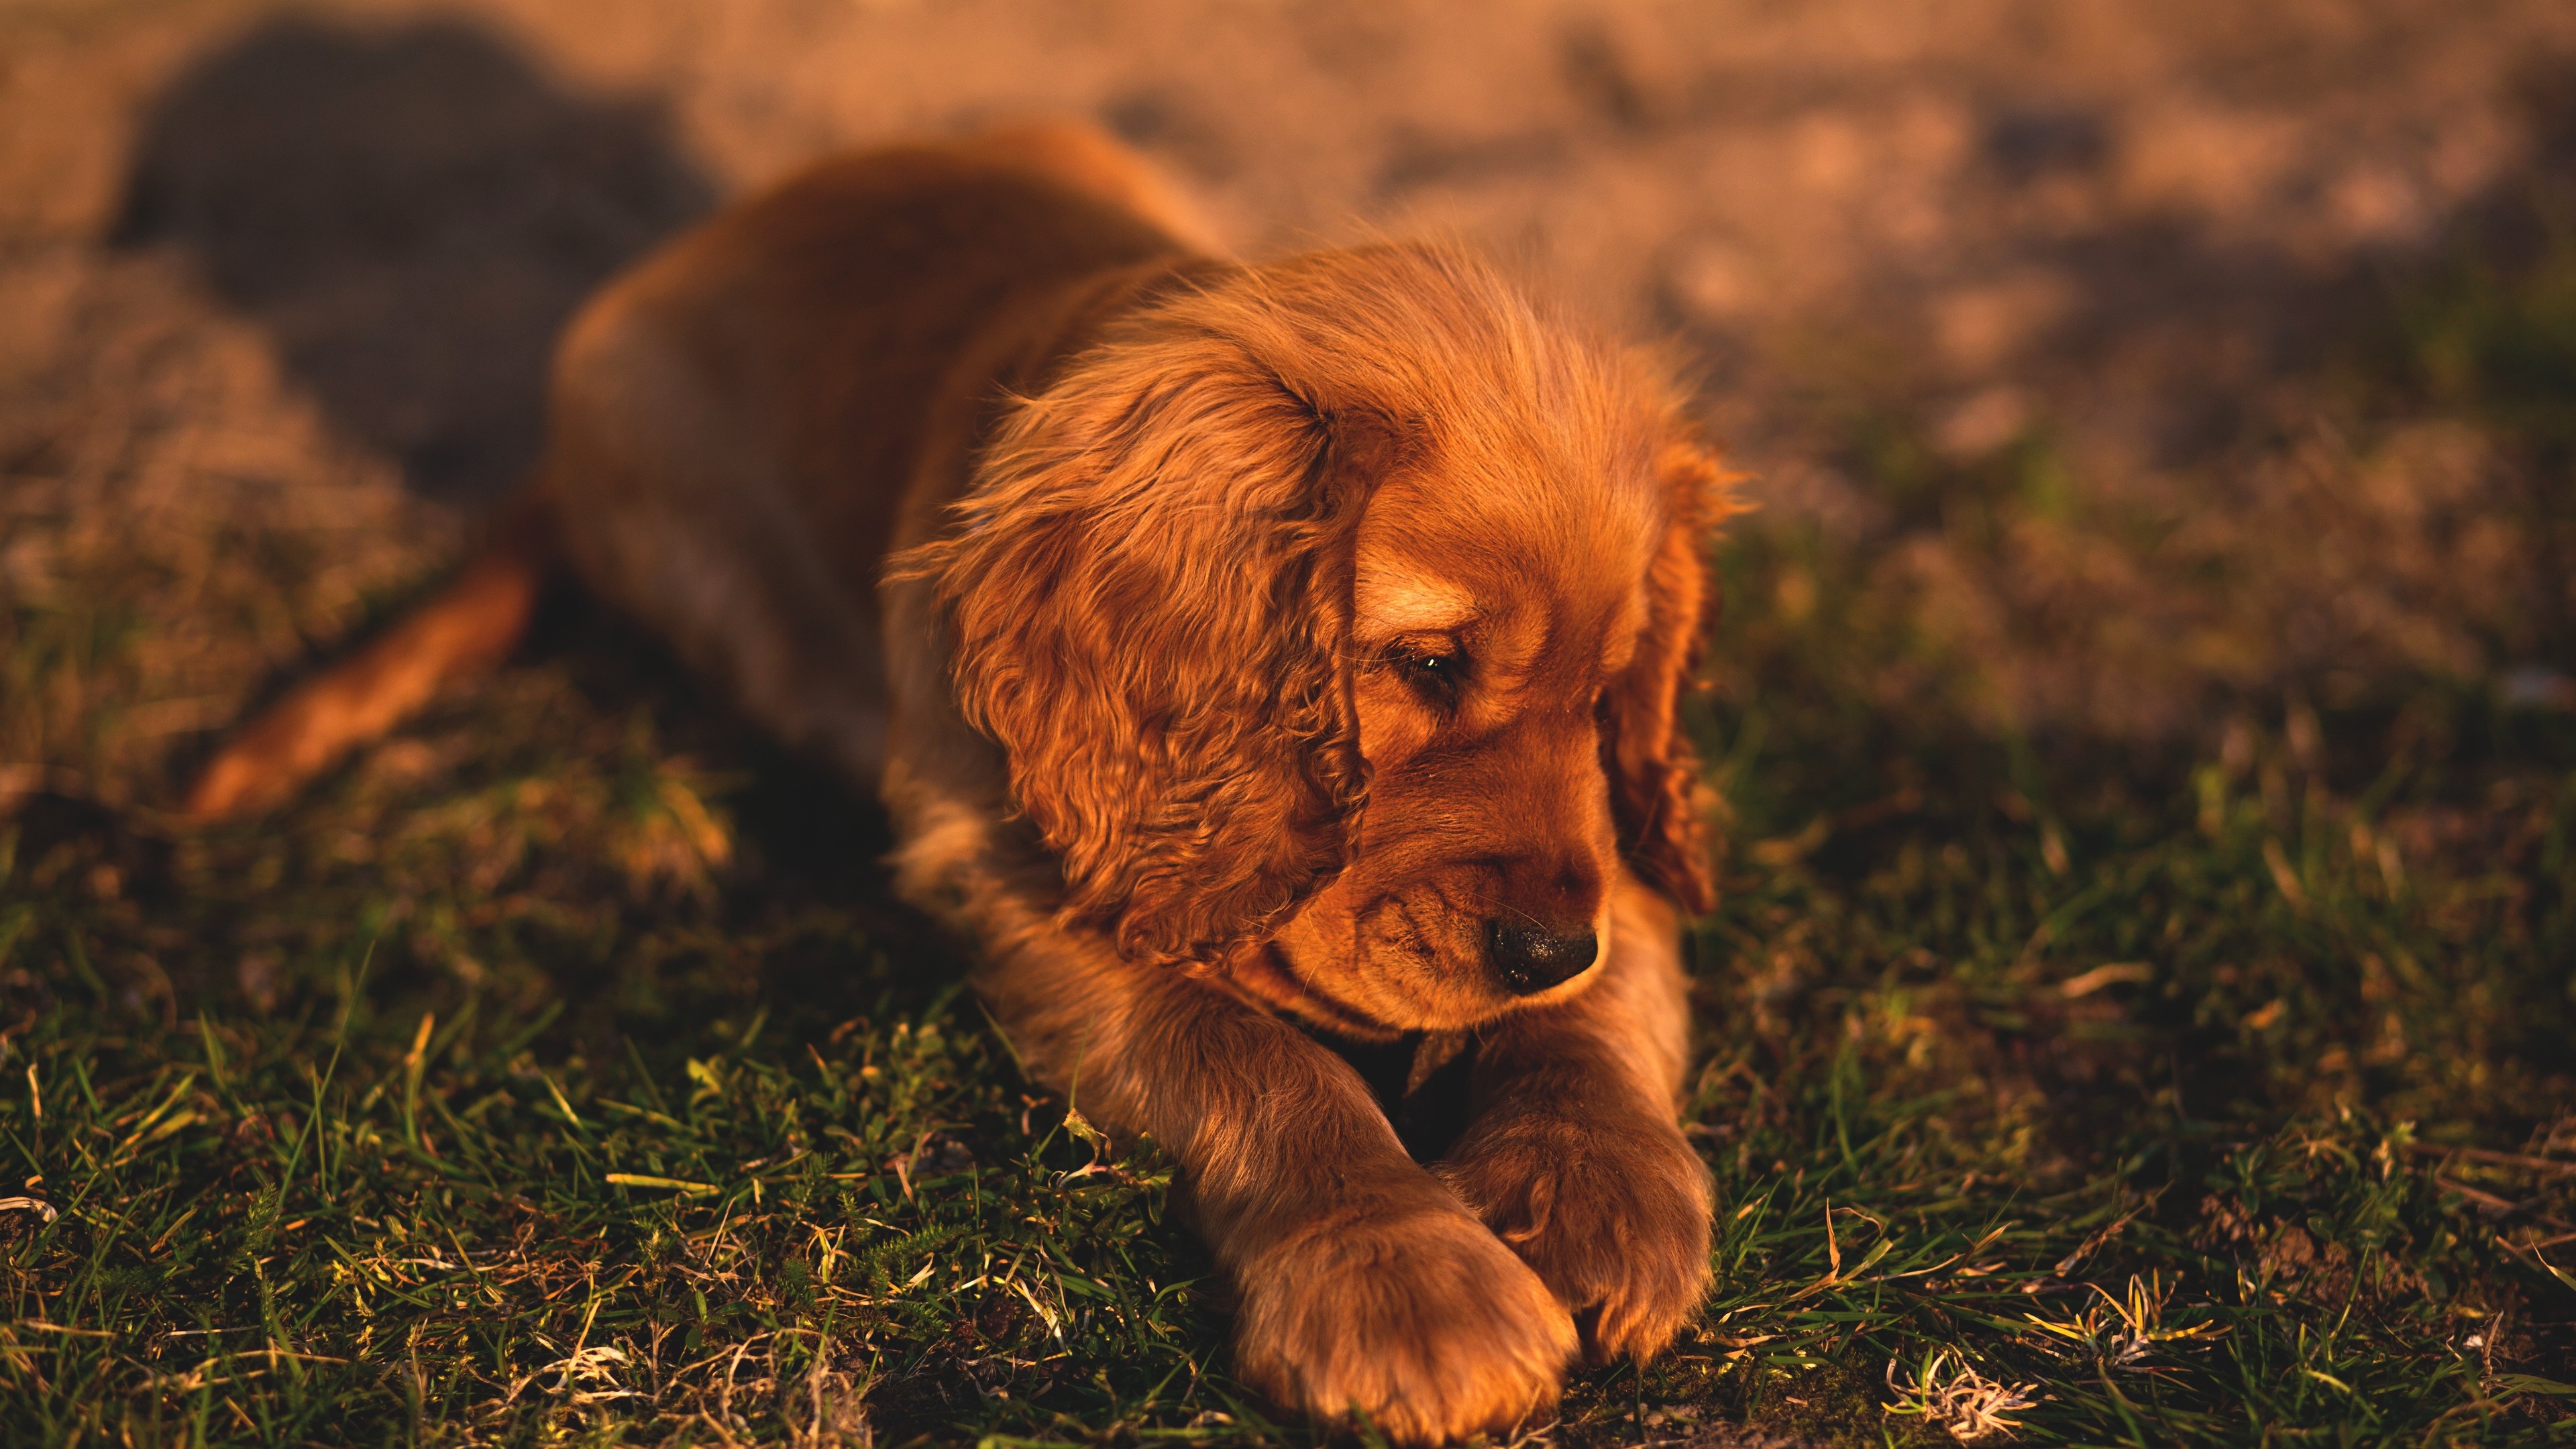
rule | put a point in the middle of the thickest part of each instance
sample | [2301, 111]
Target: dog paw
[1421, 1324]
[1615, 1222]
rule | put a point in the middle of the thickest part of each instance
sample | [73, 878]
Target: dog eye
[1435, 673]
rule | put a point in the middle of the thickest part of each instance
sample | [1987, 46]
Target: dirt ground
[276, 282]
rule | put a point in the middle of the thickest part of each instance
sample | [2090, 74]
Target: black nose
[1532, 959]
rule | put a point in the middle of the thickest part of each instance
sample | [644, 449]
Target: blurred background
[2141, 728]
[2148, 362]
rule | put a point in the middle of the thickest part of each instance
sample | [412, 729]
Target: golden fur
[1253, 658]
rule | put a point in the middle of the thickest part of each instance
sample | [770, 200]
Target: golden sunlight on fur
[1260, 663]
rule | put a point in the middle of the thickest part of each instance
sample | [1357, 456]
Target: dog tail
[463, 630]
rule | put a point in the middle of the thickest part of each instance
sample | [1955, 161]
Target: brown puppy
[1255, 660]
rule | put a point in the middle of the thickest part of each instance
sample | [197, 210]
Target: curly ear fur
[1653, 769]
[1149, 593]
[1148, 584]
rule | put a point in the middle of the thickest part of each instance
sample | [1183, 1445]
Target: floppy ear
[1149, 596]
[1653, 770]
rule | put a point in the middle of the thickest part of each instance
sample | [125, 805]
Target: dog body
[1250, 657]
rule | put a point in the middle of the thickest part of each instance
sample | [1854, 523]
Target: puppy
[1270, 670]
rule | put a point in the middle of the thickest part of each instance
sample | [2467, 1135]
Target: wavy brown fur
[1275, 648]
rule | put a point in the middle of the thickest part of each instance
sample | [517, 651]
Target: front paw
[1417, 1321]
[1615, 1219]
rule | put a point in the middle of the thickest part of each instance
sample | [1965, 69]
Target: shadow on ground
[412, 212]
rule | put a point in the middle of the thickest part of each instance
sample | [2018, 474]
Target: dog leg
[463, 630]
[1365, 1288]
[676, 510]
[1573, 1155]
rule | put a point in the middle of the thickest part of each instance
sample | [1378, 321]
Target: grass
[561, 1071]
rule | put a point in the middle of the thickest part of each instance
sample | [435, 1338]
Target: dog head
[1336, 610]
